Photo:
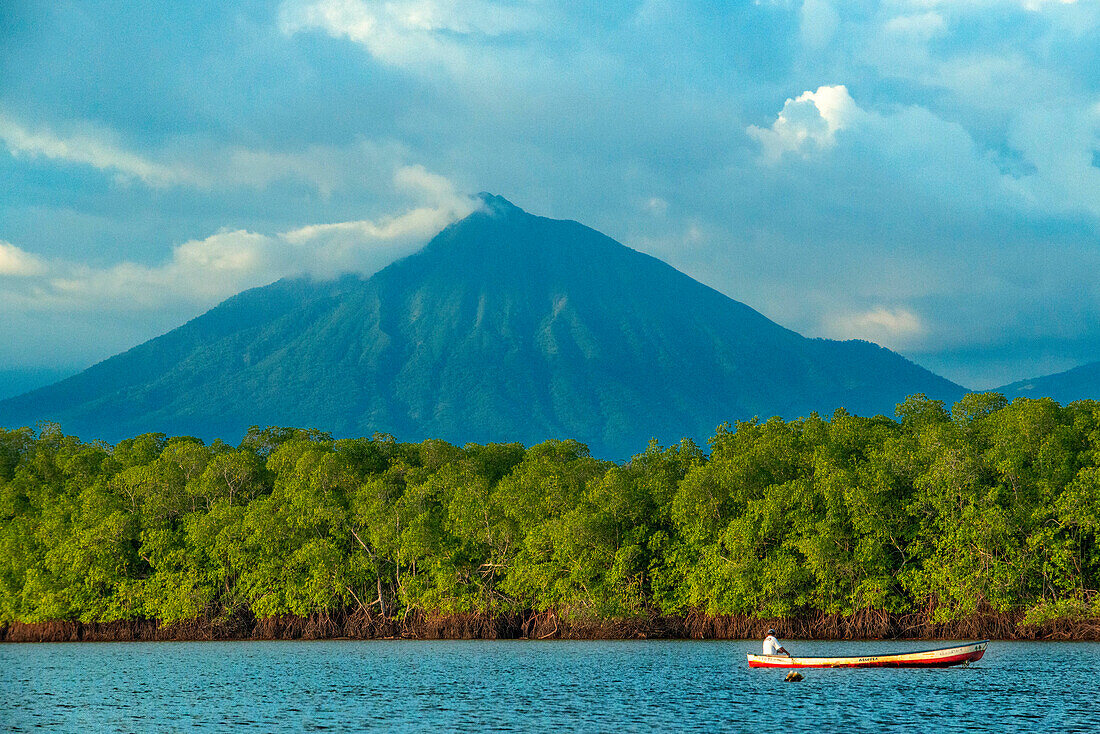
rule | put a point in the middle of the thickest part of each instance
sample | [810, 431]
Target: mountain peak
[498, 206]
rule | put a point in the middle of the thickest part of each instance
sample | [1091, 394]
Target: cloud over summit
[202, 272]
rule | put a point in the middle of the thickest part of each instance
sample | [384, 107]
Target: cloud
[656, 206]
[917, 26]
[204, 271]
[1061, 145]
[895, 159]
[819, 21]
[421, 182]
[326, 250]
[201, 164]
[807, 123]
[16, 262]
[895, 328]
[1036, 5]
[988, 5]
[90, 146]
[954, 166]
[326, 168]
[199, 272]
[929, 156]
[985, 59]
[70, 313]
[413, 33]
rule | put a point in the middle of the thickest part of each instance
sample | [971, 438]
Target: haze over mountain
[1079, 383]
[505, 327]
[18, 381]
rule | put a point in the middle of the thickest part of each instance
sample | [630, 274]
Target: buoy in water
[793, 677]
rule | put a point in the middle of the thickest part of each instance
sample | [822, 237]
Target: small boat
[939, 658]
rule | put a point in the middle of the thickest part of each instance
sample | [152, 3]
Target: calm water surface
[543, 686]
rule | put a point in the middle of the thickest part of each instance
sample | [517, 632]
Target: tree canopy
[983, 505]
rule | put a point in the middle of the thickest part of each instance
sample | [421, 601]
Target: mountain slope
[505, 327]
[18, 381]
[1079, 383]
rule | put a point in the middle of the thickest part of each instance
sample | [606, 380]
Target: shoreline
[551, 625]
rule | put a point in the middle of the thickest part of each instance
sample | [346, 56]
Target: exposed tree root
[360, 624]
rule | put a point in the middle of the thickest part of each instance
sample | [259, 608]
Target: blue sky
[921, 173]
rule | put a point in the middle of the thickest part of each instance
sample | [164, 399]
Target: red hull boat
[939, 658]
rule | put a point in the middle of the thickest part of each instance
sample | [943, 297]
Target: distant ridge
[505, 327]
[1079, 383]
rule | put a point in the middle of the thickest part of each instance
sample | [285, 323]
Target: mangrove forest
[845, 525]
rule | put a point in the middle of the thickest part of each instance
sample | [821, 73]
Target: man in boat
[772, 646]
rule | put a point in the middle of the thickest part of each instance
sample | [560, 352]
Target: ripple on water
[517, 686]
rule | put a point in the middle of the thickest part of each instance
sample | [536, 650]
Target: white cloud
[410, 33]
[200, 164]
[898, 156]
[203, 272]
[87, 145]
[17, 262]
[895, 328]
[199, 272]
[923, 197]
[367, 246]
[985, 58]
[424, 184]
[808, 123]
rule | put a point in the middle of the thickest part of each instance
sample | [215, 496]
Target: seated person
[772, 646]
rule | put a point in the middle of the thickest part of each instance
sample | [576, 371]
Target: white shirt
[771, 645]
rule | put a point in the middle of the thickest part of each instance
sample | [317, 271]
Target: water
[542, 686]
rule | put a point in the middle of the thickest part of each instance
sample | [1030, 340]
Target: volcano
[505, 327]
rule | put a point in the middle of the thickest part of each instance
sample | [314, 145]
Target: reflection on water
[522, 685]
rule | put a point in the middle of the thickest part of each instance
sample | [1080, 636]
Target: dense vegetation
[990, 505]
